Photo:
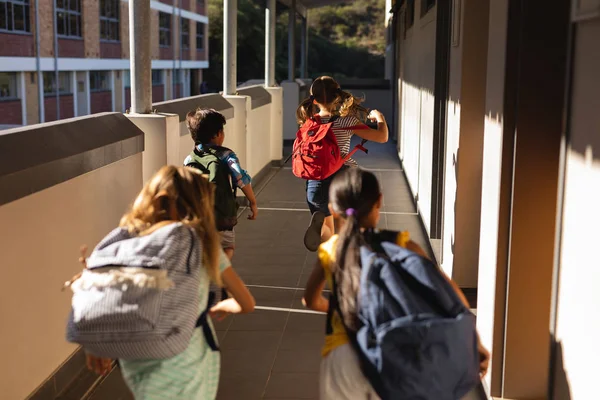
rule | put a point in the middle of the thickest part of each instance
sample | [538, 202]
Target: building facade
[71, 57]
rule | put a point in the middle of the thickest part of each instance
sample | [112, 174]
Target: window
[185, 33]
[64, 83]
[164, 29]
[157, 77]
[8, 85]
[199, 4]
[410, 13]
[14, 16]
[126, 79]
[177, 78]
[199, 36]
[68, 18]
[99, 81]
[426, 5]
[109, 20]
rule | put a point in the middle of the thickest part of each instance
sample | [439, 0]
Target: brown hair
[327, 92]
[183, 192]
[353, 194]
[204, 124]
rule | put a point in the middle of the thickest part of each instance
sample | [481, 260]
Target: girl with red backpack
[329, 118]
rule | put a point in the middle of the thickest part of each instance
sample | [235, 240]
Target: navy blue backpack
[416, 339]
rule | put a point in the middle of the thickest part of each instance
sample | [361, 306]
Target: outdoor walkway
[274, 353]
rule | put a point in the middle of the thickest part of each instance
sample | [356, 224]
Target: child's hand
[99, 365]
[375, 115]
[484, 359]
[253, 211]
[222, 309]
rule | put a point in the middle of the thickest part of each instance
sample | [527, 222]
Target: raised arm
[379, 135]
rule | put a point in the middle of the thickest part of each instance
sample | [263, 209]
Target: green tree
[345, 41]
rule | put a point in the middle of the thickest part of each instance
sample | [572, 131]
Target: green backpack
[226, 206]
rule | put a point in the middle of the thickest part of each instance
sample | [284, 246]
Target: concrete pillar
[276, 122]
[291, 99]
[529, 115]
[292, 41]
[230, 47]
[304, 49]
[470, 148]
[75, 93]
[23, 97]
[139, 51]
[270, 30]
[235, 130]
[158, 129]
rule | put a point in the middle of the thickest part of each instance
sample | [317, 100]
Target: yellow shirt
[336, 335]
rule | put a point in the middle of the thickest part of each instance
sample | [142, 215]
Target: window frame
[166, 30]
[426, 6]
[61, 74]
[68, 13]
[200, 35]
[157, 72]
[93, 75]
[25, 4]
[184, 34]
[110, 21]
[13, 84]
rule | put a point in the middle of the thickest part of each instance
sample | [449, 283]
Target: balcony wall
[64, 184]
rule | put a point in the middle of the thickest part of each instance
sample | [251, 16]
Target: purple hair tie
[350, 212]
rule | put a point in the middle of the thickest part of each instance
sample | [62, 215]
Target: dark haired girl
[328, 100]
[356, 199]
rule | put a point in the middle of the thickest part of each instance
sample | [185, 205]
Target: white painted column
[87, 92]
[123, 104]
[164, 80]
[229, 47]
[112, 89]
[41, 96]
[75, 93]
[270, 29]
[23, 96]
[139, 54]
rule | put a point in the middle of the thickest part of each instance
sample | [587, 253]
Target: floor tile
[293, 385]
[260, 320]
[237, 386]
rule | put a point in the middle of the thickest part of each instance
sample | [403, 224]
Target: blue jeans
[317, 194]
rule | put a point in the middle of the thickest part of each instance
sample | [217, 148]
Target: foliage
[345, 41]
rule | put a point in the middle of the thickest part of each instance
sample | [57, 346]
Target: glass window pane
[60, 23]
[73, 25]
[60, 3]
[74, 5]
[3, 16]
[19, 17]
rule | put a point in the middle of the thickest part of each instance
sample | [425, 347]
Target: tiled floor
[274, 353]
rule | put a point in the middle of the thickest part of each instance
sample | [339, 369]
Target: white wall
[258, 138]
[40, 236]
[417, 108]
[578, 321]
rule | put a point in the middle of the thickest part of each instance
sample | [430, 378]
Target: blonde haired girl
[182, 195]
[328, 101]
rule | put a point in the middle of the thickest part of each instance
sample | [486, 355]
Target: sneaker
[312, 237]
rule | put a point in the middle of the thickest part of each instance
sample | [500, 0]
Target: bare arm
[313, 297]
[249, 193]
[242, 300]
[379, 135]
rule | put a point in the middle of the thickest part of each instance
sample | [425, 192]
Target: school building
[493, 167]
[66, 58]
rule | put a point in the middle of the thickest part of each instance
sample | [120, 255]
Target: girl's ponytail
[350, 105]
[353, 195]
[347, 271]
[305, 110]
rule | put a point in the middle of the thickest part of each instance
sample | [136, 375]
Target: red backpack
[316, 154]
